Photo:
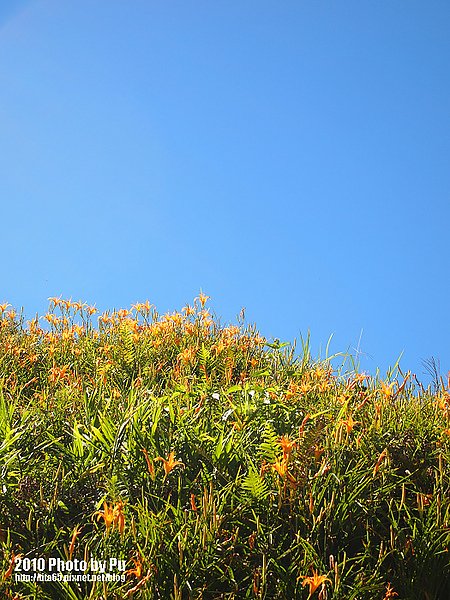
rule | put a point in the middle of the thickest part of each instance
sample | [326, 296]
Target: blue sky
[289, 157]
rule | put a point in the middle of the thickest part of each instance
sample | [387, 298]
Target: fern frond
[269, 448]
[129, 350]
[203, 355]
[255, 485]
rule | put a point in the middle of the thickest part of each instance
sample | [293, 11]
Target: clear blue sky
[289, 157]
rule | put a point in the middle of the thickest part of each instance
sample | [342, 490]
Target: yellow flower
[67, 303]
[319, 373]
[203, 298]
[443, 401]
[188, 310]
[55, 301]
[280, 466]
[142, 306]
[78, 305]
[170, 463]
[305, 387]
[187, 355]
[292, 390]
[387, 390]
[313, 581]
[78, 329]
[3, 307]
[323, 386]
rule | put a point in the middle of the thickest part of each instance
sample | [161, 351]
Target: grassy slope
[216, 465]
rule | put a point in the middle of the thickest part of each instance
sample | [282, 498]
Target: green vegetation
[214, 464]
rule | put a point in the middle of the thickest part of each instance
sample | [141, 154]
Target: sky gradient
[290, 158]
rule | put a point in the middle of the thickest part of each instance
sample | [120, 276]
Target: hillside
[201, 461]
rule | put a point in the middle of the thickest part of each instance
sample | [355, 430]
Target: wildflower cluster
[213, 463]
[123, 348]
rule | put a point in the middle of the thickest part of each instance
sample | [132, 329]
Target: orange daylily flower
[76, 532]
[119, 517]
[379, 461]
[349, 423]
[12, 562]
[57, 374]
[77, 329]
[55, 301]
[281, 467]
[78, 305]
[107, 514]
[187, 355]
[343, 398]
[137, 571]
[319, 373]
[170, 463]
[51, 318]
[105, 318]
[305, 387]
[150, 465]
[390, 592]
[142, 306]
[314, 581]
[287, 445]
[318, 453]
[203, 298]
[443, 401]
[360, 377]
[112, 516]
[188, 310]
[357, 378]
[303, 423]
[387, 390]
[323, 386]
[140, 584]
[67, 303]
